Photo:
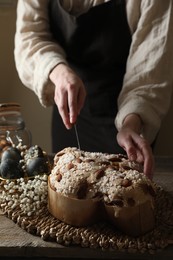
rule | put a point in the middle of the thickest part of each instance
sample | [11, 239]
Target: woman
[104, 66]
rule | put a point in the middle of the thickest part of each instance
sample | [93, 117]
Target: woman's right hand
[69, 93]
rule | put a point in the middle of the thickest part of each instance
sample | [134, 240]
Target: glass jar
[12, 126]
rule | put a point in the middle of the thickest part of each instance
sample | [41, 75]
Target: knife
[77, 137]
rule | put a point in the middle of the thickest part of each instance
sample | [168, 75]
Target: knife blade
[77, 137]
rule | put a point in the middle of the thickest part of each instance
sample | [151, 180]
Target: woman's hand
[69, 93]
[136, 147]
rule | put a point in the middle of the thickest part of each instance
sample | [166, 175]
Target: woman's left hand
[137, 148]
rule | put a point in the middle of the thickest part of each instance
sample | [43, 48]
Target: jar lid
[10, 106]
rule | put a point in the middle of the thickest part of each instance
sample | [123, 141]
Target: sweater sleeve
[35, 52]
[147, 86]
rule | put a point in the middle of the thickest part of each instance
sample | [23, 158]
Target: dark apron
[97, 45]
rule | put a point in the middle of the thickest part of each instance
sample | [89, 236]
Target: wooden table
[17, 243]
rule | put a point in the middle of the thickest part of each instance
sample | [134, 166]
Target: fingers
[148, 158]
[72, 104]
[61, 101]
[81, 99]
[69, 104]
[69, 94]
[76, 98]
[145, 155]
[138, 149]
